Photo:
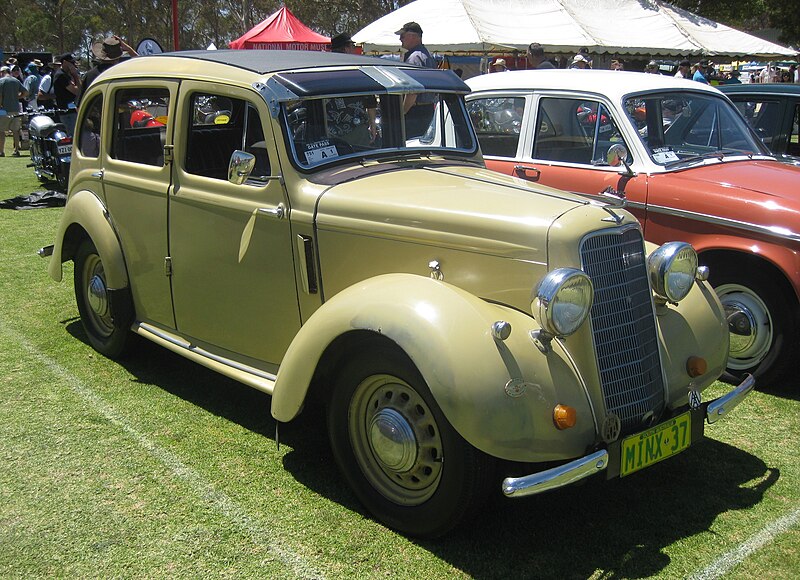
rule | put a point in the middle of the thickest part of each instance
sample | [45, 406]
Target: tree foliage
[71, 25]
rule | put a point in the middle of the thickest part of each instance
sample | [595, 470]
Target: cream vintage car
[272, 216]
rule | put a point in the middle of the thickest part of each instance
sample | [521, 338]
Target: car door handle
[98, 174]
[276, 212]
[522, 171]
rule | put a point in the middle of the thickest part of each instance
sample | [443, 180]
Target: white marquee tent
[624, 27]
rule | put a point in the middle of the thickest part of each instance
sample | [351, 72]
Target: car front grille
[623, 326]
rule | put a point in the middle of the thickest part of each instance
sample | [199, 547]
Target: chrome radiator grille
[623, 326]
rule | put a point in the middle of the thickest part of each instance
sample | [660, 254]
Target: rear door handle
[527, 172]
[98, 174]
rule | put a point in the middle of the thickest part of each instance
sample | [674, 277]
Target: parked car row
[689, 168]
[274, 218]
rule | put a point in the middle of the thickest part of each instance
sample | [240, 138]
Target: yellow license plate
[651, 446]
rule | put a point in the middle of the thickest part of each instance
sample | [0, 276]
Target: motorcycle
[50, 148]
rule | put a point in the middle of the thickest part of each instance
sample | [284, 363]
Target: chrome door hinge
[168, 266]
[168, 154]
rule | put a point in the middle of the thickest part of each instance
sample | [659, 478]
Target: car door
[563, 143]
[232, 272]
[136, 178]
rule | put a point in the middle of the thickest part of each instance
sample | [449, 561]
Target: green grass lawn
[157, 467]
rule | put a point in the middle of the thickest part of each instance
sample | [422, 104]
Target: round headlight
[563, 300]
[673, 268]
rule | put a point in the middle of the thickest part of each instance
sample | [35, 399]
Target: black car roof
[271, 61]
[761, 89]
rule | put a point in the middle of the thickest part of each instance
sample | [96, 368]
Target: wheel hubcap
[749, 325]
[392, 440]
[98, 297]
[395, 440]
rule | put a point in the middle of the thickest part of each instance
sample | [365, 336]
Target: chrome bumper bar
[598, 461]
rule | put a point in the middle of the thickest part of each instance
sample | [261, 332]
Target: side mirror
[617, 154]
[240, 166]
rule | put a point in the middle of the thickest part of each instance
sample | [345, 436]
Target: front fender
[447, 333]
[84, 212]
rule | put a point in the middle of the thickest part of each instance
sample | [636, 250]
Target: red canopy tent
[282, 31]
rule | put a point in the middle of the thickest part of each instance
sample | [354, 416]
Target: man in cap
[652, 68]
[684, 70]
[579, 61]
[66, 86]
[617, 64]
[499, 65]
[536, 57]
[32, 82]
[700, 73]
[418, 108]
[11, 91]
[343, 43]
[105, 54]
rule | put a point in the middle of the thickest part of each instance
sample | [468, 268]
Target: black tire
[763, 323]
[424, 487]
[106, 321]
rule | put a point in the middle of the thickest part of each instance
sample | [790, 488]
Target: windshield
[681, 127]
[330, 129]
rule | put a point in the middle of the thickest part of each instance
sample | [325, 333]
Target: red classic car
[689, 168]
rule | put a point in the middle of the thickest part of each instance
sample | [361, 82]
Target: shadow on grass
[621, 527]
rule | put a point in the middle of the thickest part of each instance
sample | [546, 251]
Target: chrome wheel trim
[96, 296]
[395, 440]
[747, 312]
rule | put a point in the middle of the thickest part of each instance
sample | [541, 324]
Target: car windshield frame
[360, 114]
[678, 127]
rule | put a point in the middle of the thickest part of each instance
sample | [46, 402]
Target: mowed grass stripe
[729, 560]
[257, 530]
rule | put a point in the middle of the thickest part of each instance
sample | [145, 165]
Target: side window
[89, 131]
[219, 126]
[497, 122]
[763, 117]
[793, 144]
[140, 125]
[574, 131]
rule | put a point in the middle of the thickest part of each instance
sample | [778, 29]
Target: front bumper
[608, 459]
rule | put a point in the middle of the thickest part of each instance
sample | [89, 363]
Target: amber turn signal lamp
[564, 416]
[696, 366]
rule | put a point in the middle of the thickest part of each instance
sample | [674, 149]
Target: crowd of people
[55, 86]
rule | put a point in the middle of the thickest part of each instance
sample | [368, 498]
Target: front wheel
[397, 451]
[106, 322]
[763, 327]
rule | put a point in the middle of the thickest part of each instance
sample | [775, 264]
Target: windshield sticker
[664, 155]
[320, 151]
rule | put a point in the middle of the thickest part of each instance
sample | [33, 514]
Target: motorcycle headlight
[672, 269]
[563, 300]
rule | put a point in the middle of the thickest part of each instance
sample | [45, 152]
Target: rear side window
[140, 125]
[219, 126]
[497, 121]
[89, 132]
[763, 116]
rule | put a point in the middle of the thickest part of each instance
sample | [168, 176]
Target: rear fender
[85, 215]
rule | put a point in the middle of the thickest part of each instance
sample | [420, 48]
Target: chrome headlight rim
[557, 291]
[673, 269]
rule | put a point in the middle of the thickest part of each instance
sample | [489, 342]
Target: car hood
[457, 206]
[462, 218]
[763, 178]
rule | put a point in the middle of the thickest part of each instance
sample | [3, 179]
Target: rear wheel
[106, 322]
[397, 451]
[763, 326]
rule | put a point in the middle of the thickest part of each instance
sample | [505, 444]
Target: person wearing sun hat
[343, 43]
[105, 54]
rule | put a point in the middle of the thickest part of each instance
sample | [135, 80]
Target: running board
[250, 376]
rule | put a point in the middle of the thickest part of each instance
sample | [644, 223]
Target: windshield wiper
[719, 155]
